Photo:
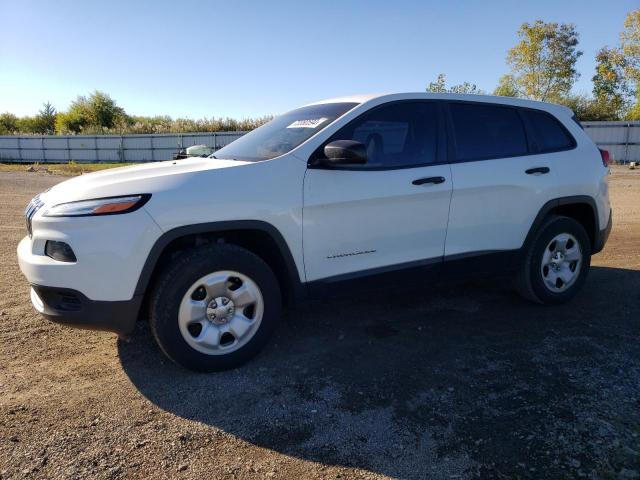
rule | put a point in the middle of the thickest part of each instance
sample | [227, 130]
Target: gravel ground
[462, 381]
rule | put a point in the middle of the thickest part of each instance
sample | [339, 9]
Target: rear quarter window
[548, 133]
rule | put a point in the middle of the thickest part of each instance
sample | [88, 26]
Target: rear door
[388, 214]
[500, 184]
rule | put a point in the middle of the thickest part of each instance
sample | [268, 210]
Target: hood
[143, 178]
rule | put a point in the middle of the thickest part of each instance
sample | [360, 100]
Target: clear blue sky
[241, 58]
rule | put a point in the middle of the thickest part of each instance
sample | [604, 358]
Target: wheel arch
[581, 208]
[257, 236]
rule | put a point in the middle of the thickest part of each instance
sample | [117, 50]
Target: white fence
[622, 139]
[105, 148]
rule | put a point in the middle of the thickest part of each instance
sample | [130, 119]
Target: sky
[242, 59]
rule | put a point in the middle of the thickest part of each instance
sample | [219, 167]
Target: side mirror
[345, 152]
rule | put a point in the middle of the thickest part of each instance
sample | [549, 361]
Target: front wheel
[214, 307]
[556, 263]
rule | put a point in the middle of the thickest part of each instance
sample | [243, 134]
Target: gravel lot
[463, 381]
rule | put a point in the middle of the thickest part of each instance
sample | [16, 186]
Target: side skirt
[417, 274]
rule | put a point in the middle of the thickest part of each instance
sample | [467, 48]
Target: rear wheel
[214, 307]
[557, 262]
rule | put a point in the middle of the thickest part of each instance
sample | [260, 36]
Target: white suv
[368, 191]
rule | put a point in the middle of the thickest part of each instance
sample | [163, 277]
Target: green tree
[97, 113]
[587, 108]
[29, 125]
[630, 47]
[610, 87]
[634, 112]
[440, 86]
[46, 119]
[105, 113]
[507, 87]
[8, 123]
[543, 61]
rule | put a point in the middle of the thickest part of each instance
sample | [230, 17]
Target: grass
[71, 168]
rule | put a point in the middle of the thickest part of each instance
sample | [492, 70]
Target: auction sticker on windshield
[310, 123]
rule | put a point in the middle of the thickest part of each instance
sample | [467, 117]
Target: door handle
[532, 171]
[434, 180]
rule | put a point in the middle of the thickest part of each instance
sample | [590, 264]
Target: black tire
[529, 281]
[180, 274]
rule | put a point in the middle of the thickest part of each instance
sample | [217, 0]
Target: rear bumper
[603, 235]
[70, 307]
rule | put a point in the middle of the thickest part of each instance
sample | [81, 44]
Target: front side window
[283, 133]
[398, 135]
[549, 134]
[487, 131]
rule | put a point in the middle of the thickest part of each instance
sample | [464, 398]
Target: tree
[587, 108]
[46, 119]
[543, 62]
[506, 87]
[630, 48]
[30, 125]
[8, 123]
[97, 113]
[630, 45]
[634, 112]
[610, 87]
[439, 86]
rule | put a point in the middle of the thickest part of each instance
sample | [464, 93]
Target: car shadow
[444, 381]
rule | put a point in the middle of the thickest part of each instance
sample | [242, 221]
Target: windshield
[283, 133]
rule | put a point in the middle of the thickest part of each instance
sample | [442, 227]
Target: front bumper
[97, 290]
[70, 307]
[110, 252]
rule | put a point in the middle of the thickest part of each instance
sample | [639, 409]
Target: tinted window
[548, 133]
[396, 135]
[283, 133]
[487, 131]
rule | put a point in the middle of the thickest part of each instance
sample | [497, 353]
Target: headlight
[99, 206]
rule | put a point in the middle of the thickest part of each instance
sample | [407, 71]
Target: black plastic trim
[201, 228]
[415, 273]
[551, 204]
[67, 254]
[118, 317]
[432, 180]
[468, 265]
[603, 235]
[531, 171]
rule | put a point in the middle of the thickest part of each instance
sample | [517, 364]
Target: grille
[34, 205]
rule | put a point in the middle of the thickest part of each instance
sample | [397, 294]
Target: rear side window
[548, 134]
[487, 131]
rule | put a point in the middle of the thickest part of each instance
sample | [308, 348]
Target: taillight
[605, 157]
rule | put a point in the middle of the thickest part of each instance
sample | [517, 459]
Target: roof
[363, 98]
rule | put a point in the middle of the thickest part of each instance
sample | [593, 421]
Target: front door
[388, 214]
